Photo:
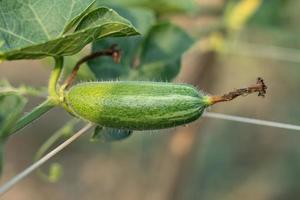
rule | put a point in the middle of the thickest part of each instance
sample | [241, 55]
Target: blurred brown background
[208, 159]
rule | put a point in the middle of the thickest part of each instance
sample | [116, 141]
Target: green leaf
[105, 134]
[158, 55]
[36, 29]
[30, 23]
[162, 50]
[158, 71]
[141, 18]
[76, 20]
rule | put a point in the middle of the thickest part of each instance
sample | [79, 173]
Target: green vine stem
[50, 102]
[54, 77]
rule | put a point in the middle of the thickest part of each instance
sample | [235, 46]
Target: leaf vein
[16, 35]
[39, 21]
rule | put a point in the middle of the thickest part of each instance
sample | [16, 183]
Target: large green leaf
[32, 22]
[158, 55]
[38, 28]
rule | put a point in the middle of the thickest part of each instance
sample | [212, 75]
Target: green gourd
[136, 105]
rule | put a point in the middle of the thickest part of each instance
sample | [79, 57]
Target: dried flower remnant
[259, 87]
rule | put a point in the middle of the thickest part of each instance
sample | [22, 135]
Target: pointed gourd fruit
[134, 105]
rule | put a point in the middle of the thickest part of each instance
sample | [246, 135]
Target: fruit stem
[259, 87]
[113, 51]
[54, 77]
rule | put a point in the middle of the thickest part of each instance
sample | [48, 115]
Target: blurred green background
[209, 159]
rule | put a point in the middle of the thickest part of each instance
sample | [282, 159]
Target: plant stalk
[54, 77]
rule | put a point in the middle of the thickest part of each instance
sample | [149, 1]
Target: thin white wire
[251, 121]
[8, 185]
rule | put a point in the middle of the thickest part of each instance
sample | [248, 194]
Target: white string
[8, 185]
[251, 121]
